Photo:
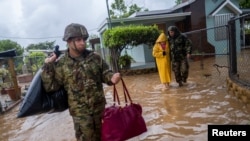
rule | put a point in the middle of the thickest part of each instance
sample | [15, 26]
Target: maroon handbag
[121, 123]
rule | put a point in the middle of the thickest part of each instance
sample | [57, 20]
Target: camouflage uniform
[180, 46]
[82, 78]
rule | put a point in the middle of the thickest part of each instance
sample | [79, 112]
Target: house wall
[238, 40]
[238, 28]
[198, 18]
[197, 22]
[141, 53]
[148, 53]
[209, 8]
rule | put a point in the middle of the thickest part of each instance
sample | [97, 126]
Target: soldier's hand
[116, 78]
[51, 58]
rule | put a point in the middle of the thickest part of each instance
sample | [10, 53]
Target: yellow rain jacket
[162, 61]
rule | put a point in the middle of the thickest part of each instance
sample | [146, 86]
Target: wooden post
[13, 76]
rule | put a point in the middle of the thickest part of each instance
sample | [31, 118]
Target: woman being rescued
[161, 52]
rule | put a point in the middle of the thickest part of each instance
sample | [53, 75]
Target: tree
[120, 10]
[122, 37]
[36, 60]
[8, 45]
[244, 4]
[134, 8]
[42, 46]
[178, 1]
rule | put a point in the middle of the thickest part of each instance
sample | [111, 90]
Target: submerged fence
[239, 52]
[211, 51]
[227, 46]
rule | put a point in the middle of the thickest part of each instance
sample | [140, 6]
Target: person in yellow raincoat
[161, 52]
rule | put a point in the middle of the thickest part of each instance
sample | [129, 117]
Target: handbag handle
[115, 96]
[125, 92]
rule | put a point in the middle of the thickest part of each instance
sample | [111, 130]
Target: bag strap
[115, 96]
[125, 92]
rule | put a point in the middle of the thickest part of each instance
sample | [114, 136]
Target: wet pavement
[174, 114]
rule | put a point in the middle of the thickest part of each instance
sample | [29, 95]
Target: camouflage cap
[75, 30]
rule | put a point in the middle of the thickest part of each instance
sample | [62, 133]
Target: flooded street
[175, 114]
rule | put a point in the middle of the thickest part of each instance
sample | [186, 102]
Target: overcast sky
[34, 21]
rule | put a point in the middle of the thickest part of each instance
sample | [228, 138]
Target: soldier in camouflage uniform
[81, 72]
[181, 49]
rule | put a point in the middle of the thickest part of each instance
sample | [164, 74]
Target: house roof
[147, 19]
[149, 16]
[245, 10]
[167, 17]
[165, 11]
[153, 12]
[8, 53]
[229, 5]
[181, 5]
[246, 13]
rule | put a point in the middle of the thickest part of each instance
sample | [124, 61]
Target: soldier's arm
[188, 46]
[50, 77]
[105, 73]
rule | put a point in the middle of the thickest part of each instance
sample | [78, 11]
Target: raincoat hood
[161, 38]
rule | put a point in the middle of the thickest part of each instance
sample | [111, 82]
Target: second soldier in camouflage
[181, 49]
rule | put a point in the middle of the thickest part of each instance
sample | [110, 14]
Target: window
[220, 20]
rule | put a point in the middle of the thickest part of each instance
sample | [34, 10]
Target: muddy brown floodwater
[175, 114]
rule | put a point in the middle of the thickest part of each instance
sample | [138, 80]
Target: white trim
[230, 5]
